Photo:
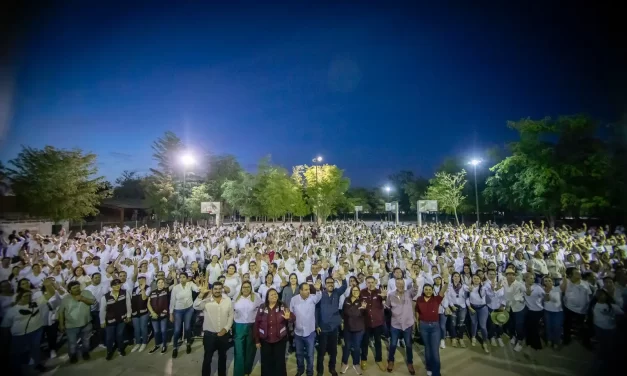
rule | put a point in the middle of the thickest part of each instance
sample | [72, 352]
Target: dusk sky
[373, 89]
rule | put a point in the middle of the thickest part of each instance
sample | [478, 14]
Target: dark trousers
[52, 332]
[212, 343]
[574, 320]
[98, 337]
[114, 333]
[532, 329]
[327, 343]
[272, 358]
[376, 334]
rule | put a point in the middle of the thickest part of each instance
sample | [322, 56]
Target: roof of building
[125, 203]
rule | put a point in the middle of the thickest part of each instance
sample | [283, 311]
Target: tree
[5, 186]
[166, 152]
[557, 166]
[399, 180]
[274, 192]
[198, 194]
[162, 195]
[325, 187]
[129, 185]
[415, 190]
[447, 190]
[221, 169]
[55, 183]
[360, 197]
[163, 188]
[240, 195]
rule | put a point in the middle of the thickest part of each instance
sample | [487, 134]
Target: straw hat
[499, 317]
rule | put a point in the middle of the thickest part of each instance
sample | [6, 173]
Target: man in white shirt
[577, 295]
[515, 302]
[97, 289]
[218, 319]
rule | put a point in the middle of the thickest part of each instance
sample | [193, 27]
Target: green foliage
[162, 195]
[557, 166]
[57, 184]
[5, 185]
[399, 180]
[222, 168]
[240, 194]
[360, 197]
[129, 185]
[447, 189]
[416, 190]
[199, 193]
[324, 186]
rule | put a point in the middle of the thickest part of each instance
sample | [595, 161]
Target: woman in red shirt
[428, 319]
[270, 334]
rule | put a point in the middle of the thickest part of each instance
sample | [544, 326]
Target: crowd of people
[308, 289]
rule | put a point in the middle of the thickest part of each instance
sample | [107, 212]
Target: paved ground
[570, 361]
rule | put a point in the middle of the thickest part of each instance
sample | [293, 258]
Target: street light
[316, 161]
[475, 163]
[187, 160]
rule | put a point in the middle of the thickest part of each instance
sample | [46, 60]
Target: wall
[35, 227]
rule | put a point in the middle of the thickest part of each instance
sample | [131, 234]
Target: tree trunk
[456, 219]
[247, 219]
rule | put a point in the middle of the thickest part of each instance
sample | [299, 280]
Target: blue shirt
[328, 316]
[305, 311]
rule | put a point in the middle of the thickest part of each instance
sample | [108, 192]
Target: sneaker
[364, 364]
[442, 344]
[429, 373]
[462, 344]
[455, 342]
[473, 342]
[188, 350]
[512, 341]
[344, 368]
[73, 359]
[122, 353]
[486, 348]
[493, 342]
[164, 350]
[357, 369]
[518, 347]
[500, 341]
[142, 347]
[86, 356]
[101, 346]
[175, 353]
[154, 349]
[53, 354]
[109, 355]
[135, 348]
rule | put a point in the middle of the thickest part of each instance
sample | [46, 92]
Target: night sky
[373, 89]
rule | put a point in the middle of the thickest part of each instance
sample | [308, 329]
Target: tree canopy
[447, 189]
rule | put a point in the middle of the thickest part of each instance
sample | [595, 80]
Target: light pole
[316, 161]
[475, 163]
[387, 191]
[187, 160]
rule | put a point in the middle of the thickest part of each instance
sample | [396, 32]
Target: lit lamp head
[318, 159]
[474, 162]
[187, 160]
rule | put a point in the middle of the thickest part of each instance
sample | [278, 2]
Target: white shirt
[555, 302]
[604, 317]
[534, 301]
[181, 297]
[245, 310]
[217, 316]
[23, 324]
[305, 311]
[514, 296]
[577, 296]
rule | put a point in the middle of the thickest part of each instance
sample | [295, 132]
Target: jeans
[73, 334]
[245, 350]
[480, 317]
[430, 333]
[183, 317]
[140, 329]
[305, 350]
[160, 330]
[457, 323]
[25, 347]
[443, 321]
[553, 322]
[327, 343]
[395, 334]
[115, 333]
[352, 346]
[376, 334]
[212, 343]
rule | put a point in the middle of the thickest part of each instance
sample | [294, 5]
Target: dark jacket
[328, 316]
[374, 314]
[354, 317]
[270, 325]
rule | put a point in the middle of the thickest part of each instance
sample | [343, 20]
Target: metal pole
[184, 195]
[317, 197]
[476, 195]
